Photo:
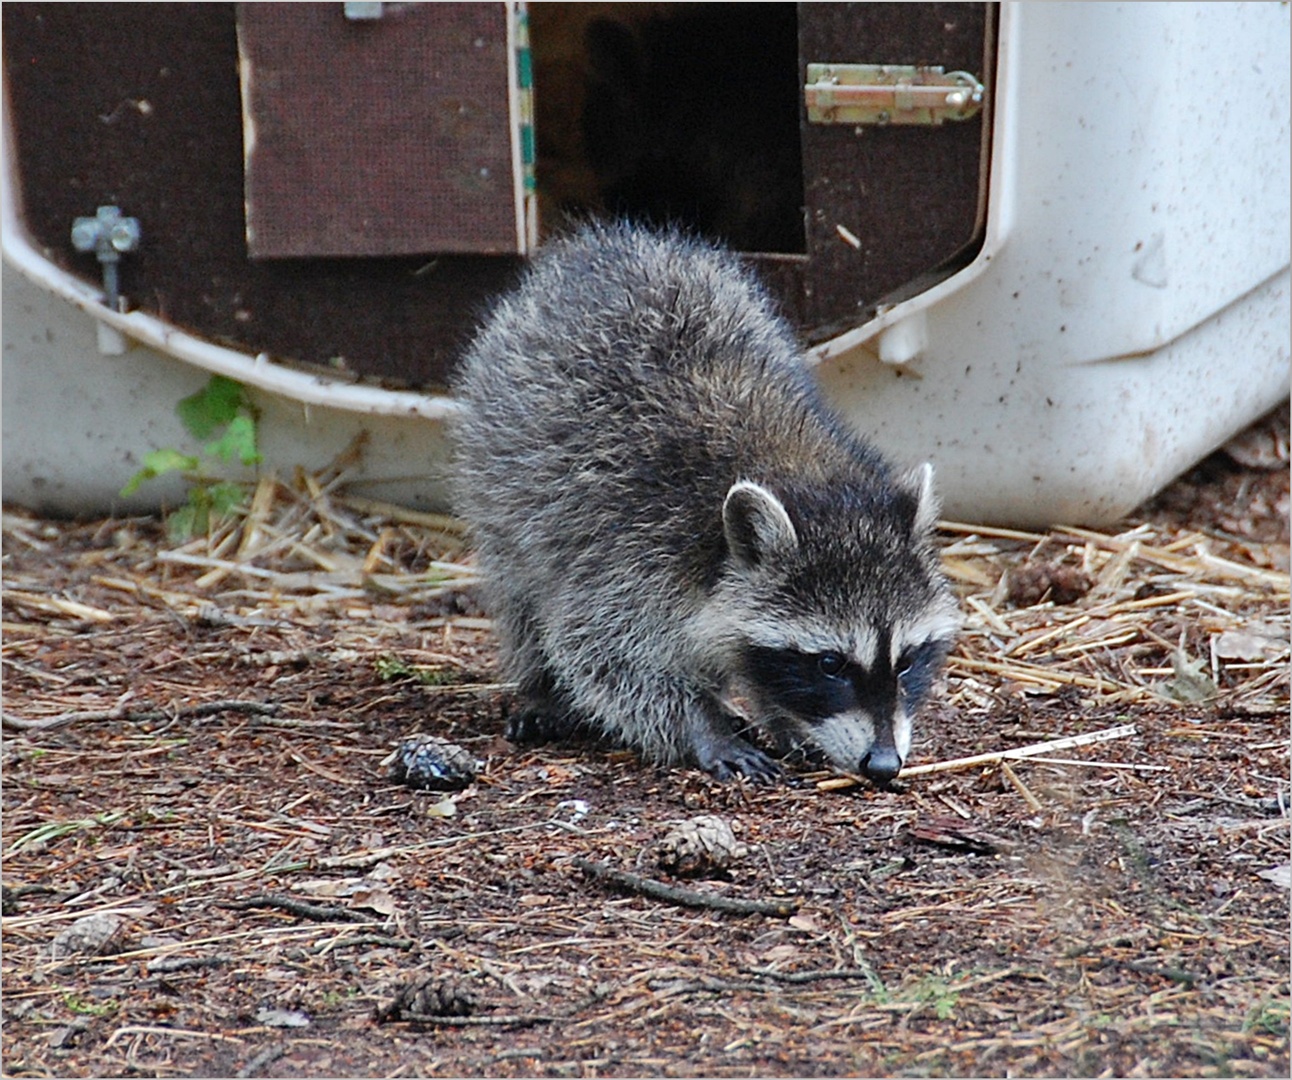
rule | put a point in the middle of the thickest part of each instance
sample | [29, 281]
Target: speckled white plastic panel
[1130, 309]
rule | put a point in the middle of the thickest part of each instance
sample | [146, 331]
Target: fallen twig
[799, 977]
[1175, 974]
[317, 912]
[267, 1056]
[1031, 750]
[380, 940]
[835, 783]
[1049, 676]
[1092, 764]
[167, 965]
[958, 835]
[1277, 804]
[136, 716]
[439, 522]
[166, 1033]
[705, 985]
[503, 1020]
[672, 894]
[56, 605]
[1018, 785]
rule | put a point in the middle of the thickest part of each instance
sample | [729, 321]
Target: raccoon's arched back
[640, 296]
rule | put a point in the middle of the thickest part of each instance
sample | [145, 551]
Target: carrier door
[895, 198]
[373, 129]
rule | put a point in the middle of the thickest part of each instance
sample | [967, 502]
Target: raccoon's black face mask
[857, 716]
[861, 625]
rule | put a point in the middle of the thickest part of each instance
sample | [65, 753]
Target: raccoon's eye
[913, 658]
[916, 667]
[831, 664]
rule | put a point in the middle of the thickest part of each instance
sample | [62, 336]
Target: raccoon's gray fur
[678, 539]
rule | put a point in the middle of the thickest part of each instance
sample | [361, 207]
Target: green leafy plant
[1268, 1017]
[54, 830]
[938, 994]
[81, 1007]
[392, 668]
[221, 415]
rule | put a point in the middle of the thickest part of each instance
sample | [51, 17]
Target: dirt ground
[209, 872]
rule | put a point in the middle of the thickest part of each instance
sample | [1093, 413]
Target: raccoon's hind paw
[730, 756]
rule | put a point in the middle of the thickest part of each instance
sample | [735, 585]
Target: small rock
[66, 1037]
[1265, 444]
[576, 808]
[93, 935]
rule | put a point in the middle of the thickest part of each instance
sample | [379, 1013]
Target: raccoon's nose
[881, 764]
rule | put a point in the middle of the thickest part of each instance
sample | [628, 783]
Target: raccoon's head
[832, 618]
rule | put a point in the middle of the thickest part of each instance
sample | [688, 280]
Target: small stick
[402, 514]
[1100, 764]
[1021, 787]
[167, 965]
[836, 783]
[987, 530]
[135, 716]
[167, 1033]
[380, 940]
[317, 912]
[504, 1020]
[1175, 974]
[267, 1056]
[1042, 676]
[58, 606]
[671, 894]
[799, 977]
[1031, 750]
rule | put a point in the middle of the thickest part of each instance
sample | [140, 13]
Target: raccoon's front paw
[731, 756]
[531, 727]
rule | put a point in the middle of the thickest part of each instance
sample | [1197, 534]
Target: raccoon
[679, 541]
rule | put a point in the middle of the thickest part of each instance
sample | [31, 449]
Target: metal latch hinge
[889, 94]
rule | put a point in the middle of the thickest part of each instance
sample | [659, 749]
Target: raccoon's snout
[881, 764]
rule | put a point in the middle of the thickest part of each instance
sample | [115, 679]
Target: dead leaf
[959, 835]
[531, 900]
[282, 1018]
[1246, 645]
[330, 887]
[382, 901]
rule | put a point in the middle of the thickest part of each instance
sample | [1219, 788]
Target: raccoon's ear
[756, 524]
[919, 482]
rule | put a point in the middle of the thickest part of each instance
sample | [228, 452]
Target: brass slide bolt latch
[881, 94]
